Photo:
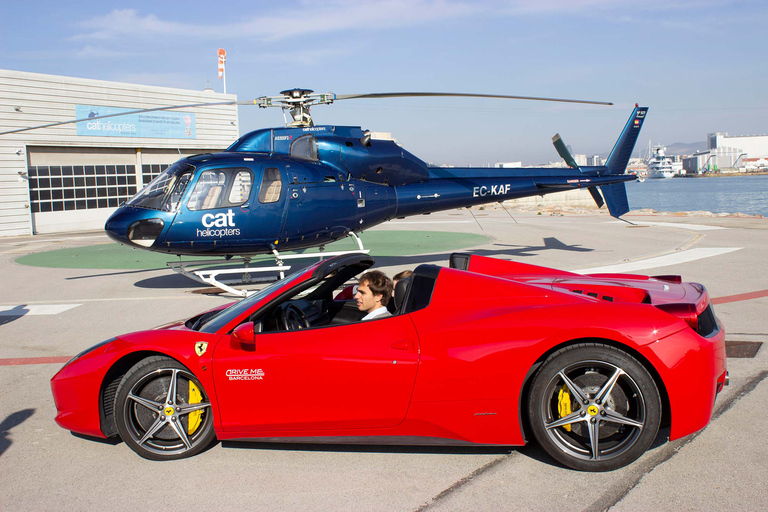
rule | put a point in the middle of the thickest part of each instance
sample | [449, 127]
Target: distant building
[726, 151]
[755, 146]
[508, 164]
[72, 177]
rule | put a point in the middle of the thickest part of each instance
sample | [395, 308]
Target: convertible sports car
[484, 352]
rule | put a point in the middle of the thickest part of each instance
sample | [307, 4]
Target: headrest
[400, 289]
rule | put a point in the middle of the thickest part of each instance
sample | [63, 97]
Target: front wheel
[162, 411]
[594, 407]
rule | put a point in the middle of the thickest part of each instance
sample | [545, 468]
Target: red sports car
[484, 352]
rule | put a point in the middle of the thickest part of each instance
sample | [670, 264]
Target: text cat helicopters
[304, 185]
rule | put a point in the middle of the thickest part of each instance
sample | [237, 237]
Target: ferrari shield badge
[201, 347]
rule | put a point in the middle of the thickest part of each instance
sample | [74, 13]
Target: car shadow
[114, 441]
[12, 421]
[367, 448]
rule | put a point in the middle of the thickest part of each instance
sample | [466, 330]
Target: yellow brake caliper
[563, 404]
[195, 418]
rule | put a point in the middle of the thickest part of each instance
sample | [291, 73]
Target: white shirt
[376, 313]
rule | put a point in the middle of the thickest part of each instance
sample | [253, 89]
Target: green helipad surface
[381, 243]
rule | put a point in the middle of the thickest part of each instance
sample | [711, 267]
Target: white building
[755, 146]
[72, 177]
[726, 151]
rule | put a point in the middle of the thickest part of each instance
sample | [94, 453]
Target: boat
[659, 165]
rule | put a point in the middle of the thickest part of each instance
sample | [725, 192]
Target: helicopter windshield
[164, 192]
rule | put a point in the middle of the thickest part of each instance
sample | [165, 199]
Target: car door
[358, 375]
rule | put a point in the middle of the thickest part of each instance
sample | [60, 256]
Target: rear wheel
[594, 407]
[162, 411]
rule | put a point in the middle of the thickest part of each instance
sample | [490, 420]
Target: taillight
[686, 312]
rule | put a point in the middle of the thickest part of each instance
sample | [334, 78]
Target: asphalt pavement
[56, 312]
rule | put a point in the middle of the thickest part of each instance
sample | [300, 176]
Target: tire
[154, 426]
[603, 417]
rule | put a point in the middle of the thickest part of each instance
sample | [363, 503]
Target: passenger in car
[399, 276]
[374, 291]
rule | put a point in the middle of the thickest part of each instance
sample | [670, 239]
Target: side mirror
[365, 140]
[244, 333]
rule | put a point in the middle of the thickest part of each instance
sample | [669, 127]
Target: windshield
[165, 191]
[223, 317]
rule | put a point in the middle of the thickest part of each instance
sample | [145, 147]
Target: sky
[699, 66]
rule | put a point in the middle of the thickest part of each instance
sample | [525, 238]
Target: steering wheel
[293, 318]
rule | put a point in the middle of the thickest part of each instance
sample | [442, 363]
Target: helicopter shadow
[505, 251]
[9, 315]
[12, 421]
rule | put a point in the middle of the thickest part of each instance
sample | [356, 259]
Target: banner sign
[151, 125]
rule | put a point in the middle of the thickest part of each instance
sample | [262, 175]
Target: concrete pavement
[43, 467]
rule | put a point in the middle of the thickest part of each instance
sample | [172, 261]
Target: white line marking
[34, 310]
[660, 261]
[432, 222]
[690, 227]
[118, 299]
[56, 240]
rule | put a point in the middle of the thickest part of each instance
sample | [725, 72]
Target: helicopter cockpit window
[165, 191]
[305, 148]
[221, 188]
[271, 185]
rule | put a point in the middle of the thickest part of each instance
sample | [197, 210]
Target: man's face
[366, 300]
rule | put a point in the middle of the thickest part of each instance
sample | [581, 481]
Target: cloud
[122, 22]
[309, 18]
[89, 51]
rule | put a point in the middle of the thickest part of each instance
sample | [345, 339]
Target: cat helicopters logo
[225, 222]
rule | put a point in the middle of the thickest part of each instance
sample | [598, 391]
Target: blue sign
[151, 125]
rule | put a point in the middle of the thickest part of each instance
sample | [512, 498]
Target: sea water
[737, 194]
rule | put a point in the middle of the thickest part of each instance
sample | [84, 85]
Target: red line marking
[740, 297]
[34, 360]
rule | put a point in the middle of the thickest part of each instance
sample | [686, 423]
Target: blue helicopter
[304, 186]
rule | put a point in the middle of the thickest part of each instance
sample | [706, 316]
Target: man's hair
[402, 275]
[379, 284]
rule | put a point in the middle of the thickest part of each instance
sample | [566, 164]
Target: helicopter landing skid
[209, 274]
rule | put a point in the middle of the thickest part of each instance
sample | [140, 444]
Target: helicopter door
[216, 213]
[266, 223]
[317, 213]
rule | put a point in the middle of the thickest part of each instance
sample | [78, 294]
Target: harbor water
[737, 194]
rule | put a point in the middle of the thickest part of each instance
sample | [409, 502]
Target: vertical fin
[619, 157]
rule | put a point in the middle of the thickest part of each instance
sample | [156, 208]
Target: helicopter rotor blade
[257, 101]
[562, 150]
[377, 95]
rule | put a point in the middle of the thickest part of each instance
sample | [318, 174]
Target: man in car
[374, 291]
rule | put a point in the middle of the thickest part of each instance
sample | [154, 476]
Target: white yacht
[659, 165]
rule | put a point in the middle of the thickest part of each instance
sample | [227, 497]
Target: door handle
[402, 345]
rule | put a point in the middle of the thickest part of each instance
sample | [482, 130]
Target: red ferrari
[484, 352]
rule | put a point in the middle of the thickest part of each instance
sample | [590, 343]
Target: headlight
[145, 232]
